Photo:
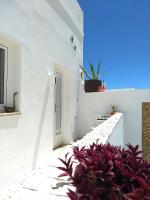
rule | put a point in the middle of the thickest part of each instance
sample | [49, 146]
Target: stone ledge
[101, 133]
[9, 114]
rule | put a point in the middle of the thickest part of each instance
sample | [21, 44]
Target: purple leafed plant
[106, 172]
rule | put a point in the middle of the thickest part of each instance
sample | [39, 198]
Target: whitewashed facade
[43, 38]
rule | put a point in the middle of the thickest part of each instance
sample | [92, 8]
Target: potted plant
[92, 83]
[114, 109]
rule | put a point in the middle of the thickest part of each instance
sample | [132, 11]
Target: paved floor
[42, 184]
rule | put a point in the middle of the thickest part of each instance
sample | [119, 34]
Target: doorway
[57, 110]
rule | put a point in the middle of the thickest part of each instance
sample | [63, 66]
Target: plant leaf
[93, 72]
[63, 174]
[62, 168]
[85, 72]
[64, 162]
[98, 70]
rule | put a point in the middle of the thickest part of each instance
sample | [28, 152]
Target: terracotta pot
[92, 85]
[112, 113]
[102, 88]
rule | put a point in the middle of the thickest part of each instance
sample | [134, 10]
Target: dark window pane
[58, 103]
[2, 64]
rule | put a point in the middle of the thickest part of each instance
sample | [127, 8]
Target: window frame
[5, 48]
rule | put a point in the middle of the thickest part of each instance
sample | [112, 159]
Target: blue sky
[117, 33]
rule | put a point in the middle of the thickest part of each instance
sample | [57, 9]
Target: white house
[41, 44]
[41, 47]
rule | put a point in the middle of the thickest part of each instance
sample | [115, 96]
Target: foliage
[114, 108]
[106, 172]
[95, 74]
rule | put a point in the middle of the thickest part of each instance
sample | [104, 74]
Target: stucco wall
[129, 102]
[117, 136]
[109, 131]
[43, 38]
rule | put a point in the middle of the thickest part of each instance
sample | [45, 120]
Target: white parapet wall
[110, 131]
[117, 136]
[128, 101]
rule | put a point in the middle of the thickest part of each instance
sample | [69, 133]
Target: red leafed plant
[106, 172]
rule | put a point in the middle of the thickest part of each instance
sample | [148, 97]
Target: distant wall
[129, 102]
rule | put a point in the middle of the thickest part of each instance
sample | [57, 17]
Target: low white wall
[110, 131]
[129, 102]
[117, 136]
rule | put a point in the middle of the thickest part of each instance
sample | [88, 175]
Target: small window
[3, 74]
[9, 75]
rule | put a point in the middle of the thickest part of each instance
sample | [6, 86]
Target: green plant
[114, 108]
[94, 74]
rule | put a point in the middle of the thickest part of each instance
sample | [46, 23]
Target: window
[3, 73]
[9, 75]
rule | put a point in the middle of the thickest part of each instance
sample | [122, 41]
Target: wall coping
[101, 133]
[133, 90]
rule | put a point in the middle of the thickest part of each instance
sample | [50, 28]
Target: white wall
[43, 38]
[117, 136]
[129, 102]
[109, 131]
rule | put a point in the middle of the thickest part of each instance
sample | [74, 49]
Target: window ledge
[9, 114]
